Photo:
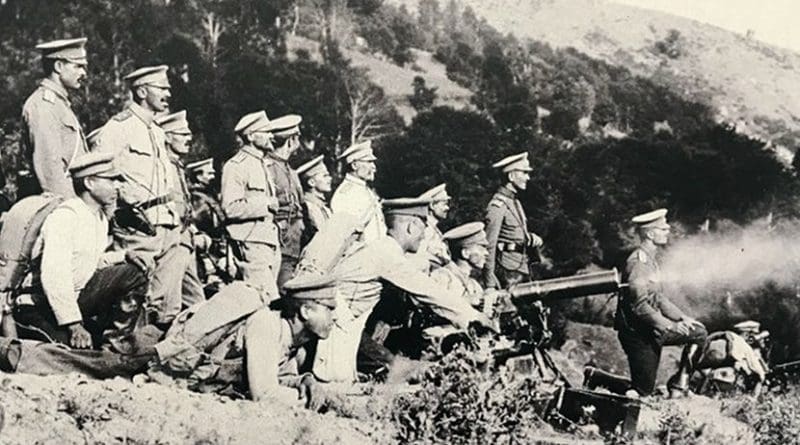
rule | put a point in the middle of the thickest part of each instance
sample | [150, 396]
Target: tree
[422, 98]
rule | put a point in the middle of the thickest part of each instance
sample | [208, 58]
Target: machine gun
[520, 347]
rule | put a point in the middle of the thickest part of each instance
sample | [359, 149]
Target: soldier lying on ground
[80, 294]
[232, 344]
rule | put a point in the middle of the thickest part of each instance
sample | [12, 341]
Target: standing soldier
[317, 182]
[507, 227]
[148, 213]
[646, 320]
[289, 218]
[433, 252]
[249, 203]
[189, 291]
[52, 136]
[354, 195]
[208, 215]
[208, 219]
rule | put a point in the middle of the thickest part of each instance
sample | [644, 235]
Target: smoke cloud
[735, 273]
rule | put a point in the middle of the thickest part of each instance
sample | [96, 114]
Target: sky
[774, 21]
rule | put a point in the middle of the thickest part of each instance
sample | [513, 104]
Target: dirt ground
[70, 409]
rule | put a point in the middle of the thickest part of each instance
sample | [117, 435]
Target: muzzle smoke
[736, 273]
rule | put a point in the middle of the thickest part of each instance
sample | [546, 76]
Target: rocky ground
[70, 409]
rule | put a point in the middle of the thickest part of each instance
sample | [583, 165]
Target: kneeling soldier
[81, 292]
[646, 319]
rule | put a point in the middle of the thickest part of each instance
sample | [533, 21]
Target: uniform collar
[353, 178]
[56, 88]
[310, 196]
[253, 151]
[508, 191]
[276, 157]
[651, 250]
[144, 115]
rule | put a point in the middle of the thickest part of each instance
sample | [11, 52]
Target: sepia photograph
[362, 222]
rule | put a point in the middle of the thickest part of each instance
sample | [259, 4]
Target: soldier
[317, 182]
[249, 203]
[354, 196]
[433, 252]
[208, 219]
[360, 273]
[148, 212]
[207, 213]
[646, 320]
[470, 248]
[80, 292]
[52, 136]
[188, 291]
[206, 341]
[507, 227]
[289, 192]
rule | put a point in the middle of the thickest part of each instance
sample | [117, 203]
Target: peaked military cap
[467, 234]
[286, 125]
[656, 218]
[149, 75]
[201, 165]
[72, 50]
[518, 162]
[312, 168]
[438, 193]
[313, 287]
[407, 206]
[361, 151]
[94, 164]
[252, 122]
[174, 123]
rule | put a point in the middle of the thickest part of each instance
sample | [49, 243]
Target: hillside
[395, 80]
[749, 83]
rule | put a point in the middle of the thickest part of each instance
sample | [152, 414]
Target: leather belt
[511, 247]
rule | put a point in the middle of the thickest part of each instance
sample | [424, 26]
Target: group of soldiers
[118, 257]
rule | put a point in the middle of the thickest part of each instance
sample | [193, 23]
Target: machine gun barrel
[574, 286]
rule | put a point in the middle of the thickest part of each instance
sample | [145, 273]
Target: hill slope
[749, 83]
[395, 80]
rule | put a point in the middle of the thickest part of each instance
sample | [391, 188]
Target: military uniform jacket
[52, 137]
[452, 277]
[506, 223]
[433, 251]
[248, 193]
[183, 205]
[139, 147]
[354, 197]
[289, 216]
[317, 210]
[361, 271]
[206, 211]
[287, 188]
[643, 307]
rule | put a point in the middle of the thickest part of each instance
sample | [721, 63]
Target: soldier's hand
[312, 392]
[202, 242]
[536, 240]
[681, 327]
[143, 261]
[693, 322]
[79, 337]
